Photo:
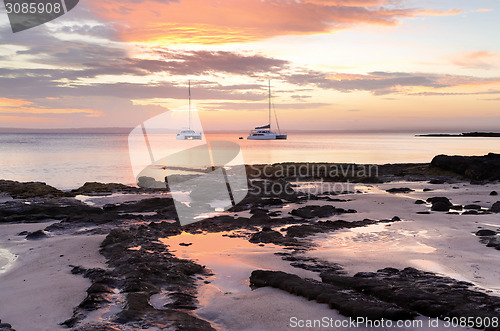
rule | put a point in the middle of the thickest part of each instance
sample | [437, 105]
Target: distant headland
[467, 134]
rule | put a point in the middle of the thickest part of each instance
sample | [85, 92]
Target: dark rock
[440, 204]
[496, 207]
[275, 189]
[484, 233]
[91, 188]
[181, 301]
[185, 244]
[472, 207]
[227, 223]
[437, 181]
[419, 292]
[40, 234]
[493, 242]
[5, 327]
[348, 303]
[440, 199]
[138, 275]
[257, 210]
[427, 190]
[272, 202]
[95, 301]
[146, 182]
[420, 202]
[477, 168]
[266, 236]
[310, 263]
[305, 230]
[400, 190]
[470, 212]
[19, 190]
[309, 212]
[261, 215]
[365, 274]
[146, 205]
[45, 209]
[100, 288]
[493, 193]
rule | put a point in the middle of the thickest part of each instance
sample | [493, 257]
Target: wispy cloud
[476, 60]
[260, 106]
[382, 83]
[16, 106]
[427, 94]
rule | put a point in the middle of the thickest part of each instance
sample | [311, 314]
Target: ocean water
[68, 160]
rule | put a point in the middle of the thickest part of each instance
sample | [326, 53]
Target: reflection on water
[371, 239]
[231, 259]
[69, 160]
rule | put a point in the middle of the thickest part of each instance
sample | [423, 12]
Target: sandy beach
[38, 290]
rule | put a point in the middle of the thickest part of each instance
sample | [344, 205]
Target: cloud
[476, 60]
[300, 97]
[454, 93]
[200, 62]
[23, 121]
[382, 83]
[85, 111]
[16, 106]
[260, 106]
[374, 82]
[229, 21]
[184, 63]
[75, 69]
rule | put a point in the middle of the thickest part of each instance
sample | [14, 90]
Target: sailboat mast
[269, 105]
[189, 105]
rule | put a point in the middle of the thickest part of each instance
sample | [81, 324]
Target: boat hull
[260, 138]
[188, 137]
[267, 136]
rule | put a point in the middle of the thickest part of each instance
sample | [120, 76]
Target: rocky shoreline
[139, 266]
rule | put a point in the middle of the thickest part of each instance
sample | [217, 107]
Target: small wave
[7, 259]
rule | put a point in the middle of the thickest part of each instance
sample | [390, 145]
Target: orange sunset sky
[334, 64]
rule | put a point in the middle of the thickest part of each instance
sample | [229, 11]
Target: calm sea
[67, 160]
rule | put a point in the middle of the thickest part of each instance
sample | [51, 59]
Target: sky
[333, 64]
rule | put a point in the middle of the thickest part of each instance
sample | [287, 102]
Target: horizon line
[129, 129]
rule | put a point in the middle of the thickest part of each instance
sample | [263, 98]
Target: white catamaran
[189, 134]
[264, 132]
